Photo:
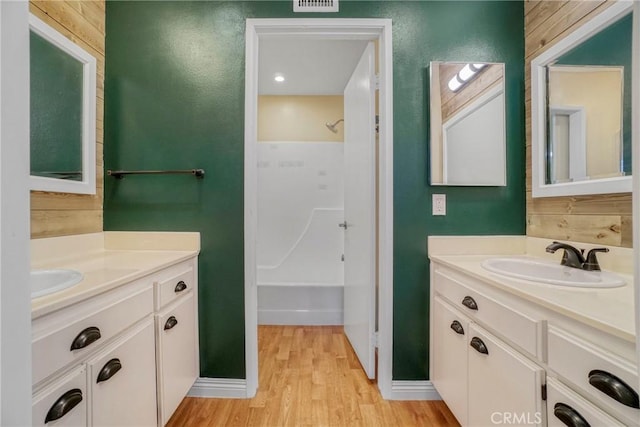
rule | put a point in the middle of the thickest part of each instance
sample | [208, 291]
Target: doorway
[324, 29]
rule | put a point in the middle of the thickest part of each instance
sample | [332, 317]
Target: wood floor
[309, 376]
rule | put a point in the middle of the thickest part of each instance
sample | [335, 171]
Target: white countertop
[106, 263]
[610, 310]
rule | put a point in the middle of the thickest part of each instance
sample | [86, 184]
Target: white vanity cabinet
[176, 337]
[76, 338]
[498, 358]
[483, 380]
[109, 360]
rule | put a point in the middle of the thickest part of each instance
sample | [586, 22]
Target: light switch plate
[439, 204]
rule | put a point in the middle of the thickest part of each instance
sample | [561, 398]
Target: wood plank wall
[604, 219]
[57, 214]
[453, 102]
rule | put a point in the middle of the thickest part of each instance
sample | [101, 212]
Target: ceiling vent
[315, 5]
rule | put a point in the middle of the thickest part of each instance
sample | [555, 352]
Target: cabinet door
[449, 357]
[63, 403]
[177, 363]
[504, 386]
[123, 380]
[567, 408]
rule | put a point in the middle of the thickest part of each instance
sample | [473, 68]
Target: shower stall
[300, 272]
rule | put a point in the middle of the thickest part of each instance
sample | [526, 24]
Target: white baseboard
[300, 317]
[237, 389]
[413, 390]
[226, 388]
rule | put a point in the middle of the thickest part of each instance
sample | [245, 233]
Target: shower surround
[300, 245]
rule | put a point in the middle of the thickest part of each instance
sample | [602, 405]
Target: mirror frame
[540, 188]
[88, 183]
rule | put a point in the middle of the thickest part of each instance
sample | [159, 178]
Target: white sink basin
[551, 273]
[45, 282]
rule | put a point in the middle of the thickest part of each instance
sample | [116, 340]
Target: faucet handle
[572, 257]
[591, 263]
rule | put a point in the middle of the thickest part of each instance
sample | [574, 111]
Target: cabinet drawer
[519, 328]
[62, 403]
[587, 366]
[85, 327]
[176, 354]
[122, 380]
[179, 283]
[563, 403]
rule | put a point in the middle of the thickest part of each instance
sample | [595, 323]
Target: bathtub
[296, 304]
[305, 287]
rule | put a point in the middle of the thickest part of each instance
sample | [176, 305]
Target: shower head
[332, 126]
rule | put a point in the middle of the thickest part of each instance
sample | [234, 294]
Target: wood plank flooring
[310, 376]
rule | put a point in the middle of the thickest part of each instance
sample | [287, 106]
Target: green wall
[175, 99]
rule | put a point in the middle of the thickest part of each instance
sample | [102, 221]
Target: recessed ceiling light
[279, 78]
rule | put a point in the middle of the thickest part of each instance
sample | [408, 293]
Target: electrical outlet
[439, 204]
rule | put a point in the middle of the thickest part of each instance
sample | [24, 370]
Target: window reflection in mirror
[467, 123]
[589, 108]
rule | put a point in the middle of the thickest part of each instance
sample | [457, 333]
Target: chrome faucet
[574, 257]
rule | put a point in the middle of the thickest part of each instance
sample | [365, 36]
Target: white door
[360, 210]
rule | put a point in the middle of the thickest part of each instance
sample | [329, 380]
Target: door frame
[635, 145]
[577, 140]
[15, 298]
[337, 29]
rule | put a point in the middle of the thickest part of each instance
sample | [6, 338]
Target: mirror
[63, 112]
[581, 109]
[468, 145]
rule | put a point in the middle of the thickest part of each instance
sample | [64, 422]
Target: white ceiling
[310, 67]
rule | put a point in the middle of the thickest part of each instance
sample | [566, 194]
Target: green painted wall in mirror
[175, 99]
[56, 111]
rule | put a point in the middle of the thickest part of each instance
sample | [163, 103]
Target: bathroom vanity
[121, 346]
[506, 350]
